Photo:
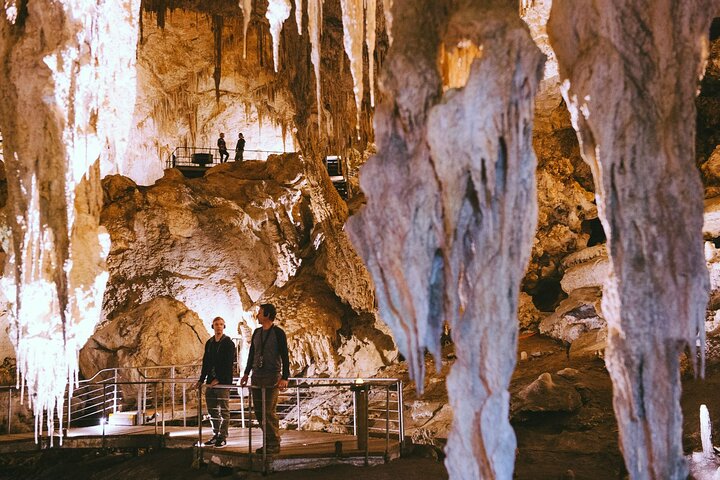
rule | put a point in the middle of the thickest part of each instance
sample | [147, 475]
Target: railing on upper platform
[209, 156]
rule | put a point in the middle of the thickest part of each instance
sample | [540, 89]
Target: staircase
[334, 168]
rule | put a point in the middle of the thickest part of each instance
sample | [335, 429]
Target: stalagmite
[451, 211]
[706, 432]
[370, 25]
[315, 19]
[630, 78]
[246, 6]
[298, 15]
[352, 16]
[63, 113]
[278, 11]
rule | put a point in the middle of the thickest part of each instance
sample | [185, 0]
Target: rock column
[451, 211]
[631, 73]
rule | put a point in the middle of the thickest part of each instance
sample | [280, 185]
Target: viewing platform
[363, 420]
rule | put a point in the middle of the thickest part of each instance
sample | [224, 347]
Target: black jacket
[218, 360]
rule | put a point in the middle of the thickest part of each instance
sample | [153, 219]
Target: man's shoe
[220, 442]
[212, 440]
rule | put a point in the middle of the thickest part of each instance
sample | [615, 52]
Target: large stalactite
[451, 210]
[631, 75]
[62, 75]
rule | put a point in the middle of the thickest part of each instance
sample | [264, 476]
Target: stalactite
[217, 27]
[352, 16]
[55, 272]
[246, 6]
[278, 11]
[451, 240]
[315, 19]
[370, 35]
[630, 78]
[161, 10]
[298, 15]
[387, 11]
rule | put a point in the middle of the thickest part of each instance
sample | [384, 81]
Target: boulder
[528, 315]
[547, 394]
[162, 331]
[575, 315]
[588, 267]
[711, 217]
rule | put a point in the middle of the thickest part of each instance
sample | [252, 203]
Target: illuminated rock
[242, 235]
[161, 331]
[65, 111]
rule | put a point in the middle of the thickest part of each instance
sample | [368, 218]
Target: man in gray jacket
[269, 363]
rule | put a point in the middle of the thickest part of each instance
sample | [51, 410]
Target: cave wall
[245, 234]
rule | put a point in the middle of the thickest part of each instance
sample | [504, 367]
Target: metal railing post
[103, 420]
[354, 416]
[9, 409]
[387, 420]
[297, 389]
[144, 401]
[199, 415]
[264, 430]
[172, 394]
[115, 391]
[401, 420]
[242, 407]
[163, 408]
[69, 413]
[155, 404]
[184, 407]
[250, 455]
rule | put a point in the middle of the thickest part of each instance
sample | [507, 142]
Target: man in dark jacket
[222, 147]
[217, 369]
[269, 363]
[239, 148]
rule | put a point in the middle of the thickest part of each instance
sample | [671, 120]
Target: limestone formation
[244, 234]
[176, 104]
[630, 77]
[65, 119]
[450, 241]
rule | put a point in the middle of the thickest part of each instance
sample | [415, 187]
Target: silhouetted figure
[240, 148]
[224, 155]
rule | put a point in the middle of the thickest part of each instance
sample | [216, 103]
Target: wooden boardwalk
[300, 449]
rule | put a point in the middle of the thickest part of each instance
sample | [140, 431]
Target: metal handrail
[183, 156]
[86, 404]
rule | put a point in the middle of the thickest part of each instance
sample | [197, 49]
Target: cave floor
[581, 444]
